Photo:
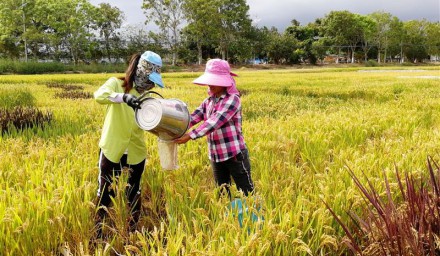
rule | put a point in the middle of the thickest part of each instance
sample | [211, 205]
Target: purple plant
[408, 224]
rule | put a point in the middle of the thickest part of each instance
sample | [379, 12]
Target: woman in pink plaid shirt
[221, 113]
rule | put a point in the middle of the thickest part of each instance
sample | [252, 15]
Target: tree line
[191, 31]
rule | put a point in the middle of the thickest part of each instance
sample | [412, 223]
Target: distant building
[257, 61]
[434, 58]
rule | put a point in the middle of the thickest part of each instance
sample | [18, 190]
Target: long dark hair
[130, 72]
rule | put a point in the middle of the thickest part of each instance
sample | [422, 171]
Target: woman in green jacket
[122, 143]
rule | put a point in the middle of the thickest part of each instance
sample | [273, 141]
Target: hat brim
[215, 79]
[157, 79]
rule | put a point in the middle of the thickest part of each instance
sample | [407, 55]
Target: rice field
[304, 128]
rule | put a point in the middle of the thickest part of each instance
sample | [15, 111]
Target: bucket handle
[144, 95]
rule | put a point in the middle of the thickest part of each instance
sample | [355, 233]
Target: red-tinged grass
[20, 118]
[65, 87]
[74, 95]
[408, 224]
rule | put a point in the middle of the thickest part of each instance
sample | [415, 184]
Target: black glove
[131, 100]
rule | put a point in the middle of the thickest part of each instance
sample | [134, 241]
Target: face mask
[141, 85]
[141, 79]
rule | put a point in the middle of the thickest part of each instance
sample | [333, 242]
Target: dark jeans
[108, 170]
[237, 167]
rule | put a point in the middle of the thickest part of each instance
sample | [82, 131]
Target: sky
[280, 13]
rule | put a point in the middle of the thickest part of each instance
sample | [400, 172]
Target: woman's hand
[131, 100]
[183, 139]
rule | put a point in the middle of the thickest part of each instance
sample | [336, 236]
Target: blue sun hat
[149, 67]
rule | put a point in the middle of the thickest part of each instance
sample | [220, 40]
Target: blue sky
[279, 13]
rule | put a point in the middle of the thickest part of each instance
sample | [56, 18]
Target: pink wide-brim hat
[217, 73]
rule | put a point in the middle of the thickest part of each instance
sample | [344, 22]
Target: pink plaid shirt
[222, 125]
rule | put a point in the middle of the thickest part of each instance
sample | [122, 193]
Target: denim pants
[237, 167]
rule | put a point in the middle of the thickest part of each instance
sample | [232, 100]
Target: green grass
[303, 129]
[10, 98]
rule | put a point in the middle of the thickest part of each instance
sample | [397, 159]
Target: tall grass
[10, 98]
[33, 67]
[302, 128]
[10, 66]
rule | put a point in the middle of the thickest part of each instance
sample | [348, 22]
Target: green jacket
[120, 132]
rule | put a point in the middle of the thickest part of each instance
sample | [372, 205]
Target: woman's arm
[197, 116]
[107, 93]
[225, 112]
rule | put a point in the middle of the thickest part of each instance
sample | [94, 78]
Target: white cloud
[279, 13]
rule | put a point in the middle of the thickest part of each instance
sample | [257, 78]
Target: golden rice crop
[303, 129]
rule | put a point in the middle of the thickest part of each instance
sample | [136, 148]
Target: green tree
[107, 21]
[305, 35]
[222, 24]
[321, 44]
[37, 41]
[201, 24]
[241, 49]
[68, 24]
[388, 34]
[416, 45]
[45, 27]
[319, 48]
[343, 28]
[15, 17]
[262, 39]
[366, 33]
[136, 39]
[433, 38]
[396, 37]
[188, 49]
[282, 48]
[168, 16]
[234, 22]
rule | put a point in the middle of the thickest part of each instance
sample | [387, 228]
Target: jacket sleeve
[197, 115]
[108, 90]
[225, 113]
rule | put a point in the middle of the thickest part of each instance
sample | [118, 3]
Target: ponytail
[130, 72]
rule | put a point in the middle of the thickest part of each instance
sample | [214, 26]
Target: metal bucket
[166, 118]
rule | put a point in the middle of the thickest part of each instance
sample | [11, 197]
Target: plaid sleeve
[224, 113]
[197, 116]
